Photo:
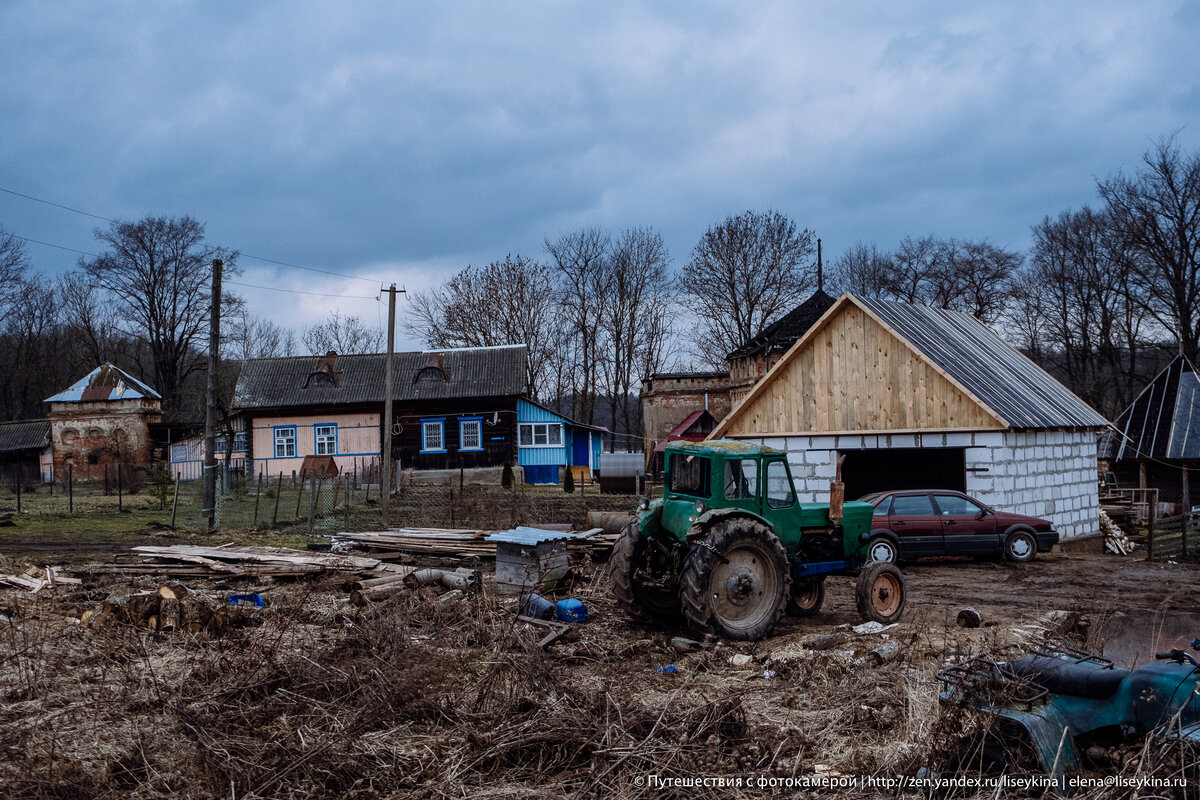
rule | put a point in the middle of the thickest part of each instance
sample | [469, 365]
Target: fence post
[120, 488]
[257, 498]
[278, 492]
[20, 470]
[299, 494]
[70, 488]
[106, 480]
[175, 502]
[450, 489]
[312, 500]
[349, 499]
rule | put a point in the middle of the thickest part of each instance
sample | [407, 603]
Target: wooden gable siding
[852, 374]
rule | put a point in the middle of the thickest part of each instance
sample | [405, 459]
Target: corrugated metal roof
[1164, 420]
[424, 375]
[26, 434]
[1020, 392]
[530, 536]
[105, 382]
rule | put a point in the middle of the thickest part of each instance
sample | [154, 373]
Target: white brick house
[916, 397]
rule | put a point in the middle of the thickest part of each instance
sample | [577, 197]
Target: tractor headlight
[644, 504]
[699, 508]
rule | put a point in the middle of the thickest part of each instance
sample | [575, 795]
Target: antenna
[820, 269]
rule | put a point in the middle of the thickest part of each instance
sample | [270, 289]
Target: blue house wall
[542, 464]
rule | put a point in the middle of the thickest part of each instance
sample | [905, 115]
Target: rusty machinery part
[880, 592]
[641, 581]
[737, 584]
[806, 597]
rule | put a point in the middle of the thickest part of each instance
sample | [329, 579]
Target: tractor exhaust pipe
[837, 493]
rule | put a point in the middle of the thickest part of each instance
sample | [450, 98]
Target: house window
[433, 435]
[470, 433]
[326, 440]
[285, 442]
[239, 442]
[179, 452]
[540, 434]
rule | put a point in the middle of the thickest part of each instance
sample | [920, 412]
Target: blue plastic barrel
[536, 606]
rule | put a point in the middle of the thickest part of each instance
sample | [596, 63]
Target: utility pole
[210, 442]
[385, 475]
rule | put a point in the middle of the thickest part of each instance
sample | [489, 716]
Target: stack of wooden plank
[1115, 540]
[192, 561]
[35, 579]
[397, 542]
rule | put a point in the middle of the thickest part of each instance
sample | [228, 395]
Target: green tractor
[730, 548]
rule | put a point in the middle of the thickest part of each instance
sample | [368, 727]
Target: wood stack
[1115, 540]
[396, 543]
[35, 579]
[191, 561]
[171, 607]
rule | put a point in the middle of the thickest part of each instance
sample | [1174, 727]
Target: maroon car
[938, 522]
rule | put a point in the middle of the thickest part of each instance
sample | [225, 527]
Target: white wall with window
[540, 434]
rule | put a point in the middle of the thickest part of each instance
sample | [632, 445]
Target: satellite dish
[495, 417]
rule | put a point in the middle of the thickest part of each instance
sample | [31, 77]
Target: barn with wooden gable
[917, 397]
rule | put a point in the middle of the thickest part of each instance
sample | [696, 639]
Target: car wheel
[881, 548]
[1020, 546]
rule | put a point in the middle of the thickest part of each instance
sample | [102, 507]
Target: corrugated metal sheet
[530, 536]
[1020, 392]
[1164, 420]
[105, 382]
[27, 434]
[290, 382]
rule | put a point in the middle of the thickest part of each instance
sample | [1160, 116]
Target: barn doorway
[866, 471]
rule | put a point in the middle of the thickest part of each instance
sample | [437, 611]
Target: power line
[114, 222]
[55, 246]
[299, 291]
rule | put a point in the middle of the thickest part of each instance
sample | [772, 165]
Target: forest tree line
[1105, 294]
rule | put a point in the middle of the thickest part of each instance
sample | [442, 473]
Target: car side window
[779, 486]
[884, 508]
[954, 506]
[741, 479]
[912, 505]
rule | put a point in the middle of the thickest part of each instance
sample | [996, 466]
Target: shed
[548, 441]
[1157, 437]
[25, 450]
[918, 397]
[530, 558]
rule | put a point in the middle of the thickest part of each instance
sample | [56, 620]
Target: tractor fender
[709, 518]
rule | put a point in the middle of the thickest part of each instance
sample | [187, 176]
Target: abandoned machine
[729, 548]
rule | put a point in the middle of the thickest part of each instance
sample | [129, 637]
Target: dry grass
[414, 698]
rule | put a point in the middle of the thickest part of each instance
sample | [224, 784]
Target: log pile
[190, 561]
[35, 579]
[171, 607]
[1115, 540]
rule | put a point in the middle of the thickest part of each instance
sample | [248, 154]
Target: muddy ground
[423, 697]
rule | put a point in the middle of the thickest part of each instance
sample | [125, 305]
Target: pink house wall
[358, 440]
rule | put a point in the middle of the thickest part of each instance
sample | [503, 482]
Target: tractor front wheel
[639, 584]
[735, 581]
[880, 592]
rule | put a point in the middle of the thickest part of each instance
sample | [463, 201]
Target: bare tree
[636, 315]
[345, 334]
[92, 318]
[14, 262]
[580, 257]
[156, 271]
[865, 271]
[743, 274]
[973, 276]
[1157, 213]
[506, 302]
[244, 335]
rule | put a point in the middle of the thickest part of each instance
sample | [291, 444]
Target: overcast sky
[401, 141]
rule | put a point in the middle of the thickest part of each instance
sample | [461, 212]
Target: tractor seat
[1069, 677]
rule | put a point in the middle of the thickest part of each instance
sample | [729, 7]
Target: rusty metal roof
[423, 375]
[26, 434]
[105, 382]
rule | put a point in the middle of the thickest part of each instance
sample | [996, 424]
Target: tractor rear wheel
[806, 598]
[880, 592]
[735, 581]
[632, 565]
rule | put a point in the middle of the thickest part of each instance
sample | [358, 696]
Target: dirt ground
[422, 696]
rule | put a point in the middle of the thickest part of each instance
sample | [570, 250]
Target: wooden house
[548, 442]
[25, 451]
[918, 397]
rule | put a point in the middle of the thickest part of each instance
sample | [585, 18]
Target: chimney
[325, 363]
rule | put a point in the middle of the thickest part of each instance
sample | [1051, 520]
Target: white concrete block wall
[1050, 474]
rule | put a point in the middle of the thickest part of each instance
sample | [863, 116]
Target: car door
[968, 528]
[916, 524]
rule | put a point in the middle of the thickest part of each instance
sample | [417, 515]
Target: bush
[568, 481]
